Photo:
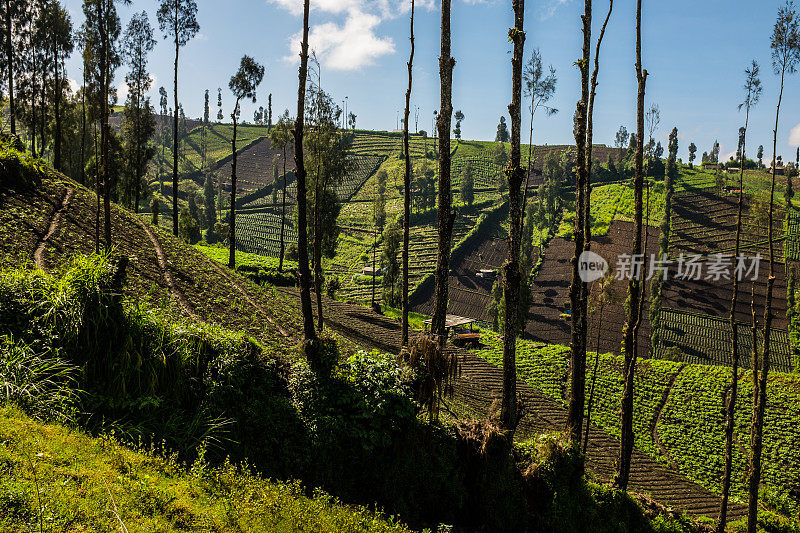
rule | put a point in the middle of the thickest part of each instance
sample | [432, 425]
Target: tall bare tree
[578, 325]
[281, 136]
[302, 228]
[407, 186]
[752, 87]
[243, 85]
[635, 283]
[785, 44]
[446, 213]
[177, 19]
[511, 269]
[540, 88]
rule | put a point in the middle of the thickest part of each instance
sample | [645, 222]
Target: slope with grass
[72, 482]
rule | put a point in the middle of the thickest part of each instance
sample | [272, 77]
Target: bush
[271, 276]
[18, 168]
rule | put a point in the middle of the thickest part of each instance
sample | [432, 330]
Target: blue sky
[695, 52]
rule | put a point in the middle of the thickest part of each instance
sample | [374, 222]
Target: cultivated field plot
[713, 298]
[701, 339]
[260, 232]
[678, 415]
[486, 173]
[548, 320]
[792, 248]
[386, 144]
[703, 222]
[254, 166]
[470, 295]
[218, 145]
[422, 255]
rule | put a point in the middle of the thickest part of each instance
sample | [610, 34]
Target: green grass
[67, 481]
[616, 202]
[220, 254]
[690, 426]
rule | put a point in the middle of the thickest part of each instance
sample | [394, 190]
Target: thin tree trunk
[283, 213]
[446, 214]
[634, 285]
[97, 194]
[83, 130]
[232, 212]
[10, 56]
[57, 105]
[731, 405]
[578, 347]
[512, 278]
[407, 189]
[594, 374]
[175, 138]
[106, 75]
[587, 226]
[33, 91]
[760, 400]
[302, 229]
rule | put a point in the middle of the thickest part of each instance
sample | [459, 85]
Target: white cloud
[354, 43]
[74, 86]
[122, 92]
[794, 136]
[549, 8]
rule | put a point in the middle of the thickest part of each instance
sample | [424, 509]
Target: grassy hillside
[67, 481]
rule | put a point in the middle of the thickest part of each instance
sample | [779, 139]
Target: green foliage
[64, 479]
[188, 228]
[18, 168]
[468, 185]
[39, 383]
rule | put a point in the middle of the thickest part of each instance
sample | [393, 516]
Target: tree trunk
[446, 214]
[512, 279]
[302, 229]
[97, 193]
[576, 290]
[587, 226]
[57, 105]
[283, 213]
[760, 399]
[175, 138]
[232, 213]
[105, 128]
[320, 190]
[634, 285]
[33, 92]
[83, 131]
[730, 410]
[594, 375]
[407, 189]
[10, 56]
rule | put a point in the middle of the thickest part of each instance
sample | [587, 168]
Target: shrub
[18, 168]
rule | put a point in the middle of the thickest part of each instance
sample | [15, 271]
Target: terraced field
[254, 166]
[678, 416]
[704, 222]
[218, 140]
[259, 231]
[548, 321]
[706, 340]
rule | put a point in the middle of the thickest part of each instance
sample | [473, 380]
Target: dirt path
[657, 419]
[480, 385]
[224, 272]
[38, 255]
[162, 263]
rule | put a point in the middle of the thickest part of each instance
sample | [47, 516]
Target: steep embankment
[49, 223]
